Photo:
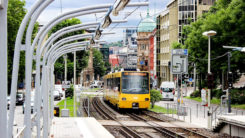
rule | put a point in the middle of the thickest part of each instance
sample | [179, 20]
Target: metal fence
[197, 113]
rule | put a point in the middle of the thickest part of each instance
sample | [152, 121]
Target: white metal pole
[28, 68]
[16, 65]
[74, 91]
[45, 102]
[3, 69]
[209, 91]
[52, 83]
[65, 57]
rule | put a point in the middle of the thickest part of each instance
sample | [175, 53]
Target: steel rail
[125, 128]
[165, 132]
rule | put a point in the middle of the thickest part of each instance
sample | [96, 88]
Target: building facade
[145, 29]
[127, 36]
[170, 24]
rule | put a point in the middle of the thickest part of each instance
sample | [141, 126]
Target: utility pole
[3, 68]
[65, 58]
[195, 76]
[229, 83]
[209, 34]
[74, 88]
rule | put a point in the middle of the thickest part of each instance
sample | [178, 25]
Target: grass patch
[160, 109]
[92, 90]
[241, 106]
[69, 105]
[199, 99]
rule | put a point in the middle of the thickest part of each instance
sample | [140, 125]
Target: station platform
[233, 125]
[74, 127]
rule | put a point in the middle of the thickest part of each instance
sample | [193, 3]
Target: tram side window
[118, 83]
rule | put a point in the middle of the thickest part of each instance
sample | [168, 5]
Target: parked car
[56, 95]
[20, 98]
[32, 107]
[167, 90]
[94, 84]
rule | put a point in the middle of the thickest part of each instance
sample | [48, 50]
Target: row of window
[186, 15]
[187, 8]
[186, 2]
[112, 83]
[206, 2]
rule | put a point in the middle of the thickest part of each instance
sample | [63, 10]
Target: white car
[167, 90]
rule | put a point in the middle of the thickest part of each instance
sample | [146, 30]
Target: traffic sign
[179, 61]
[190, 79]
[203, 95]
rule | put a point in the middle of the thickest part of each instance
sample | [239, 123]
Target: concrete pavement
[195, 112]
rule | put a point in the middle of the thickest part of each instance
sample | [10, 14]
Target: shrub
[196, 93]
[69, 92]
[155, 97]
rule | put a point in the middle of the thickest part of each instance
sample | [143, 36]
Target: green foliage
[66, 23]
[227, 18]
[81, 56]
[98, 64]
[238, 96]
[155, 97]
[69, 92]
[160, 109]
[196, 93]
[15, 14]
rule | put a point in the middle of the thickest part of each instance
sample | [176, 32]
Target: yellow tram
[128, 89]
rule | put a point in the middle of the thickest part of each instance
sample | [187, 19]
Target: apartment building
[169, 29]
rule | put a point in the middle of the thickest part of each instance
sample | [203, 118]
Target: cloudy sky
[137, 13]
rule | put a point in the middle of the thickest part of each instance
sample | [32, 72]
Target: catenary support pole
[3, 69]
[209, 91]
[74, 90]
[229, 87]
[195, 74]
[65, 58]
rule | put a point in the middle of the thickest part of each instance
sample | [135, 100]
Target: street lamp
[1, 4]
[209, 34]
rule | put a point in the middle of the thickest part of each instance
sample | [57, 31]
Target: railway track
[126, 131]
[172, 132]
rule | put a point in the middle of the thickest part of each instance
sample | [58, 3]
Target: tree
[155, 97]
[81, 56]
[98, 63]
[227, 18]
[15, 14]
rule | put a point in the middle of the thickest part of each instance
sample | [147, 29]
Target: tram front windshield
[135, 82]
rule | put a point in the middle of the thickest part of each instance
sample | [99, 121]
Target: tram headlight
[146, 99]
[124, 99]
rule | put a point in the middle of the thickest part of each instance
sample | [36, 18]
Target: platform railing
[193, 114]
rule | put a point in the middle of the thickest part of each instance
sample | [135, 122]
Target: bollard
[168, 108]
[88, 107]
[215, 118]
[197, 110]
[190, 115]
[204, 111]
